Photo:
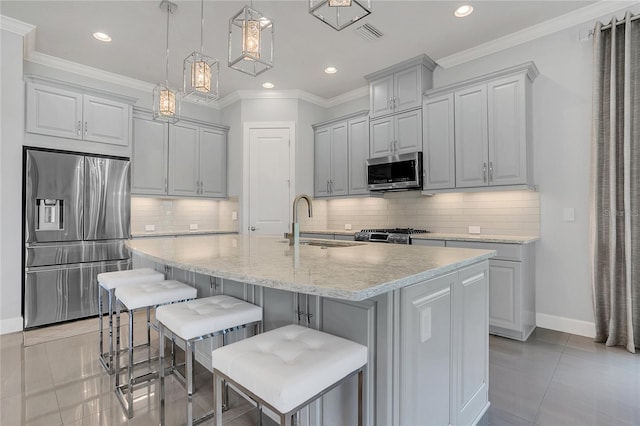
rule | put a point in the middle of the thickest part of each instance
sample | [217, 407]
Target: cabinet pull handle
[490, 171]
[394, 102]
[86, 128]
[390, 103]
[79, 127]
[331, 186]
[484, 172]
[166, 185]
[327, 187]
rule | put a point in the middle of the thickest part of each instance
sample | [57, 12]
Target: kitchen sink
[325, 243]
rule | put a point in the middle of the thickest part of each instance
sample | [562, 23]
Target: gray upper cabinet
[185, 159]
[331, 155]
[490, 144]
[396, 134]
[341, 147]
[63, 110]
[358, 153]
[213, 162]
[395, 96]
[149, 156]
[399, 88]
[438, 155]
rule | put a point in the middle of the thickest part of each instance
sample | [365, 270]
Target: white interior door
[269, 180]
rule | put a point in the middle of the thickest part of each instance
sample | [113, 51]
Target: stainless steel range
[389, 235]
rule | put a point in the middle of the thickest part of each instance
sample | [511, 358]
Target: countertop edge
[180, 233]
[354, 296]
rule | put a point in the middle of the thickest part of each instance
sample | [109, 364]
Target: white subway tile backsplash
[176, 215]
[501, 212]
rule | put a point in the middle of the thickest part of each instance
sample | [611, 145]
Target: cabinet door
[213, 162]
[183, 160]
[105, 121]
[471, 344]
[149, 157]
[339, 181]
[380, 94]
[507, 131]
[408, 132]
[407, 89]
[438, 140]
[53, 111]
[471, 137]
[322, 161]
[504, 294]
[381, 137]
[358, 154]
[425, 352]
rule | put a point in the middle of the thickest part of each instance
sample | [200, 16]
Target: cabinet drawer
[505, 251]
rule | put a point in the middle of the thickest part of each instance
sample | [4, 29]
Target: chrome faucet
[294, 237]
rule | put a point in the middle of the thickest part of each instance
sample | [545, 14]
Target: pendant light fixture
[166, 100]
[339, 14]
[201, 72]
[250, 42]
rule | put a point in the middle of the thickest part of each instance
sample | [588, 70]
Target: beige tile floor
[553, 379]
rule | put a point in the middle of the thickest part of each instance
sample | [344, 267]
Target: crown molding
[292, 94]
[86, 71]
[562, 22]
[15, 26]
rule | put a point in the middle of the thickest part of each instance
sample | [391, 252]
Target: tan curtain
[615, 186]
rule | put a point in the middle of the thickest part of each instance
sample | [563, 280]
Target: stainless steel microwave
[395, 172]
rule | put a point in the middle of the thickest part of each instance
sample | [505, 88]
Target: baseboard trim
[10, 325]
[566, 325]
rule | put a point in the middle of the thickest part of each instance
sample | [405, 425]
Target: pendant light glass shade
[200, 73]
[339, 14]
[250, 42]
[166, 100]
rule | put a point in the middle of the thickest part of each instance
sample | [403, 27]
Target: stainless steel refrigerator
[76, 221]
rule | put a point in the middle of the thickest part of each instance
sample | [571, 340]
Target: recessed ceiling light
[464, 10]
[331, 70]
[102, 37]
[267, 85]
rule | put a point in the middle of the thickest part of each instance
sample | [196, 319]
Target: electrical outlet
[474, 229]
[347, 227]
[234, 215]
[193, 227]
[149, 227]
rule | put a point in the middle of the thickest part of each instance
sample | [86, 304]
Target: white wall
[231, 116]
[11, 136]
[561, 138]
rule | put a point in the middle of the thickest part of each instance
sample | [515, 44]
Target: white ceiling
[304, 46]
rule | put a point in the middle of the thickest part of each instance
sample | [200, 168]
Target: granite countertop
[181, 233]
[348, 233]
[356, 272]
[485, 238]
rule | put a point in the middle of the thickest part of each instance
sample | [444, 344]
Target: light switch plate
[347, 227]
[474, 229]
[569, 214]
[193, 226]
[234, 215]
[149, 227]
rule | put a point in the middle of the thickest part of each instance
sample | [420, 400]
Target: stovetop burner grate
[397, 231]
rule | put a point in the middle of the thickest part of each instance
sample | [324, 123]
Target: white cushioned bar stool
[109, 281]
[287, 368]
[197, 320]
[132, 298]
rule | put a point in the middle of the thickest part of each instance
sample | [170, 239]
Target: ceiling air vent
[369, 32]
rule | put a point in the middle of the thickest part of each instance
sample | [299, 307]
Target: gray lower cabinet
[341, 148]
[512, 299]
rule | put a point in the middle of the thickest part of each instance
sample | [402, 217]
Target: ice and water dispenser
[50, 214]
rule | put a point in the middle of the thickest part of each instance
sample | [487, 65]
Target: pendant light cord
[201, 27]
[167, 58]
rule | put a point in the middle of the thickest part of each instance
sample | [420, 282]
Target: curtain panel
[615, 184]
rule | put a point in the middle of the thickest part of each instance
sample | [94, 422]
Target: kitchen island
[422, 312]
